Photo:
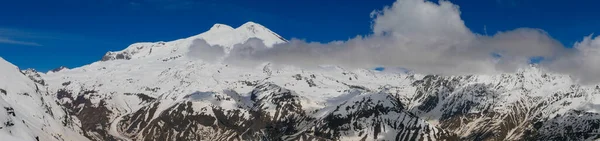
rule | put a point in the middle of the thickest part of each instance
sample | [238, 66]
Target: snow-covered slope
[28, 112]
[156, 91]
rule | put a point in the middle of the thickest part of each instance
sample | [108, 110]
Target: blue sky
[45, 34]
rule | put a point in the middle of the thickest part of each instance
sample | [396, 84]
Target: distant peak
[250, 26]
[30, 70]
[250, 23]
[221, 27]
[59, 69]
[255, 28]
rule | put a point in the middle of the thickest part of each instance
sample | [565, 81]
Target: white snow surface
[28, 109]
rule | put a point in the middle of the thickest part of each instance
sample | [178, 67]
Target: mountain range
[173, 91]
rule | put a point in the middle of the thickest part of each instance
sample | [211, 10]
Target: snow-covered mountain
[158, 91]
[218, 35]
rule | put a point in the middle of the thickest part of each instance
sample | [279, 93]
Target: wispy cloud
[20, 33]
[18, 37]
[44, 37]
[27, 37]
[16, 42]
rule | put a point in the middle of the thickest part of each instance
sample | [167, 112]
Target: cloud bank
[429, 37]
[202, 50]
[582, 62]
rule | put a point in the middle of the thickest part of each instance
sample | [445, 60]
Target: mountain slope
[28, 112]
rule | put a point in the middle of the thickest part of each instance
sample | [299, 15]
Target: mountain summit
[218, 35]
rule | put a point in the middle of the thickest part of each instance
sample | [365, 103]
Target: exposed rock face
[512, 107]
[376, 116]
[271, 112]
[429, 108]
[116, 56]
[34, 76]
[94, 118]
[59, 69]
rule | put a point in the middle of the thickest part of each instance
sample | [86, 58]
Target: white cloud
[582, 62]
[422, 36]
[431, 38]
[202, 50]
[423, 21]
